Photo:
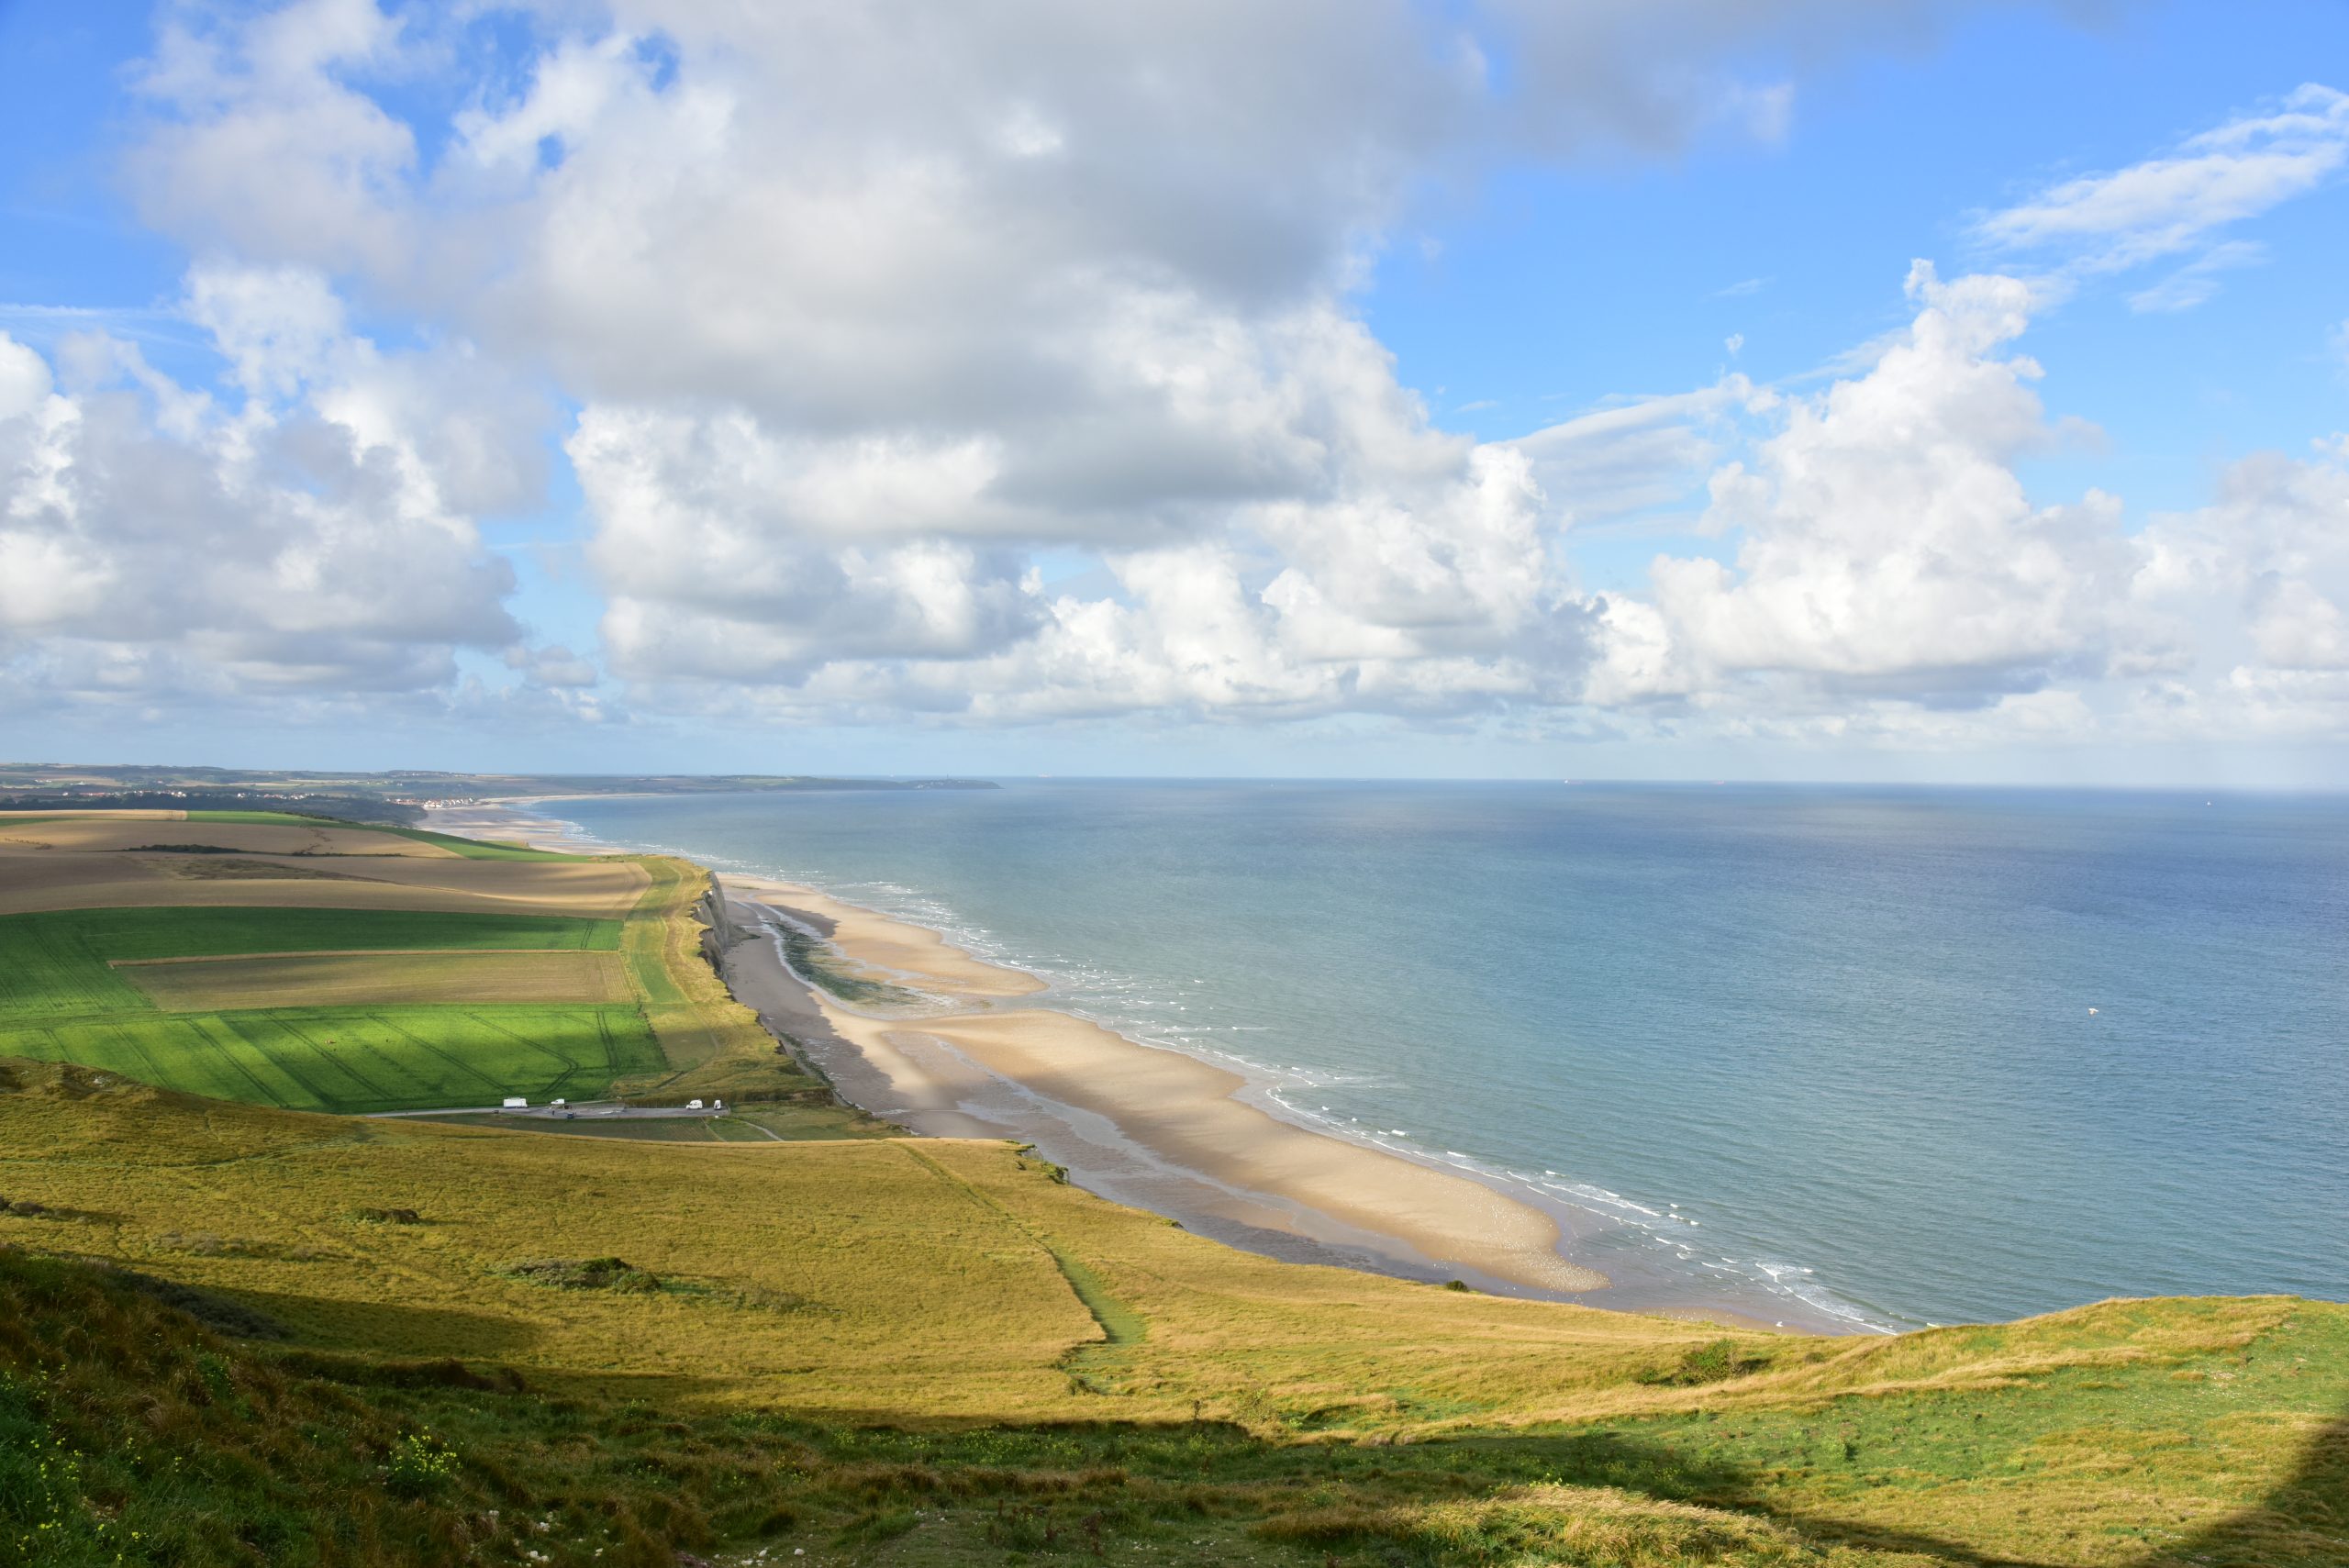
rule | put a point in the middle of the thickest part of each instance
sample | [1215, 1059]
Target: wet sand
[1139, 1124]
[1152, 1126]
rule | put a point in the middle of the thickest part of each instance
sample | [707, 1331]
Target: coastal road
[570, 1113]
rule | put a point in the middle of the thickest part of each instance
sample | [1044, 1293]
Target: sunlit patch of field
[355, 1033]
[65, 961]
[243, 868]
[88, 835]
[600, 889]
[375, 980]
[343, 1013]
[353, 1061]
[37, 880]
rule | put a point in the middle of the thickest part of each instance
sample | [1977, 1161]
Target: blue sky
[1563, 287]
[817, 477]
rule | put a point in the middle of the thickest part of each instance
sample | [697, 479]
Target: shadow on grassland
[2304, 1523]
[383, 1327]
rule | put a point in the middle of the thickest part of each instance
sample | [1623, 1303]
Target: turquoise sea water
[1833, 1044]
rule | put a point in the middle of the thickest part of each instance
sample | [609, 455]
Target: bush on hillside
[587, 1273]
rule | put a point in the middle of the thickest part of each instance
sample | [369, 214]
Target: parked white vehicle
[515, 1103]
[693, 1104]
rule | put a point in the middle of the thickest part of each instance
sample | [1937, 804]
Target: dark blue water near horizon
[1844, 1031]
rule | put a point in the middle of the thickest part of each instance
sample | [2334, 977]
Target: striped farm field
[356, 1059]
[368, 969]
[348, 1010]
[62, 961]
[376, 980]
[286, 838]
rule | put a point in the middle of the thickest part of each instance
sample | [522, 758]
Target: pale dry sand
[1179, 1111]
[1183, 1111]
[894, 949]
[984, 1070]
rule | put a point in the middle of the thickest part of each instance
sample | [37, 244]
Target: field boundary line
[1119, 1324]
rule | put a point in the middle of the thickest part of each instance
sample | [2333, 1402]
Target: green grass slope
[933, 1352]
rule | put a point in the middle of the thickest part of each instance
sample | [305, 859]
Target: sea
[1869, 1057]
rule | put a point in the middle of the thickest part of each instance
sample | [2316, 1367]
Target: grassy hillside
[897, 1352]
[234, 1333]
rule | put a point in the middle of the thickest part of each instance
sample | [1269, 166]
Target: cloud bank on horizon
[849, 323]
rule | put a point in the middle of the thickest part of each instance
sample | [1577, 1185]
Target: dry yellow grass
[36, 879]
[377, 979]
[873, 1277]
[910, 1276]
[601, 890]
[33, 879]
[934, 1281]
[925, 1284]
[135, 815]
[713, 1043]
[92, 833]
[811, 1297]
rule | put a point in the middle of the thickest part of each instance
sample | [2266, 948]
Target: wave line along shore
[1140, 1123]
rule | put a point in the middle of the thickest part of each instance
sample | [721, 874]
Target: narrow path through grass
[1120, 1324]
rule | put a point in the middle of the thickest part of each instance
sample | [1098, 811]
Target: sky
[1904, 390]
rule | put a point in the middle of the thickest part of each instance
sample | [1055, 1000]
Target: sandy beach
[1139, 1118]
[1139, 1124]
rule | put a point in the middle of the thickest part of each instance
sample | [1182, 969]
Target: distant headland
[400, 797]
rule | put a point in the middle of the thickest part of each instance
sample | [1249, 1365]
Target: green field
[351, 1061]
[671, 1033]
[61, 1001]
[56, 961]
[471, 848]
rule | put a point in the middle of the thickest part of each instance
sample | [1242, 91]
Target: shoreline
[1146, 1125]
[1150, 1125]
